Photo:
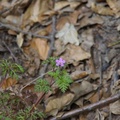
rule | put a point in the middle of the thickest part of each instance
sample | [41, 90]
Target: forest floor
[59, 59]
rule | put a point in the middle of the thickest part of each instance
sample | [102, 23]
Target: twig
[88, 108]
[52, 39]
[22, 31]
[10, 52]
[34, 80]
[10, 8]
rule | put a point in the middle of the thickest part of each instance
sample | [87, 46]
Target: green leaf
[63, 81]
[42, 86]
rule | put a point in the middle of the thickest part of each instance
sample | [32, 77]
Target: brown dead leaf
[115, 5]
[80, 89]
[101, 9]
[71, 19]
[35, 11]
[11, 32]
[94, 76]
[116, 87]
[68, 34]
[56, 104]
[86, 21]
[96, 97]
[20, 40]
[100, 115]
[88, 40]
[41, 46]
[60, 48]
[62, 4]
[78, 75]
[68, 19]
[83, 116]
[16, 20]
[115, 107]
[75, 54]
[8, 83]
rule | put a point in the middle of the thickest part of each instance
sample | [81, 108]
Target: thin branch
[89, 108]
[52, 40]
[34, 80]
[10, 52]
[22, 31]
[11, 7]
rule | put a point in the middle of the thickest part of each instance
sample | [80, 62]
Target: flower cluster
[60, 62]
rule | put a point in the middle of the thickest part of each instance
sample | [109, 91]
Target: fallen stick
[88, 108]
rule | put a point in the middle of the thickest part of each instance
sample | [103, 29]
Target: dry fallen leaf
[16, 20]
[60, 48]
[115, 5]
[20, 40]
[8, 83]
[78, 75]
[56, 104]
[72, 19]
[75, 54]
[35, 11]
[68, 34]
[88, 40]
[61, 4]
[41, 46]
[86, 21]
[80, 89]
[95, 97]
[101, 9]
[115, 107]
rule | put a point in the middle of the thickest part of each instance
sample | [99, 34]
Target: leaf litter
[85, 31]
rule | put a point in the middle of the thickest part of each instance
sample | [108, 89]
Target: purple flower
[60, 62]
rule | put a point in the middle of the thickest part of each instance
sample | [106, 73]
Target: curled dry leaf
[86, 21]
[94, 76]
[68, 34]
[11, 32]
[16, 20]
[61, 4]
[75, 54]
[35, 11]
[20, 40]
[95, 97]
[56, 104]
[72, 19]
[60, 48]
[80, 89]
[115, 107]
[114, 5]
[41, 46]
[8, 83]
[78, 75]
[118, 27]
[100, 9]
[88, 40]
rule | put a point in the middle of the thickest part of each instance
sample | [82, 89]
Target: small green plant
[25, 114]
[59, 74]
[12, 69]
[42, 85]
[8, 113]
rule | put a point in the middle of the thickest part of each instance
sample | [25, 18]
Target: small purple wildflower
[60, 62]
